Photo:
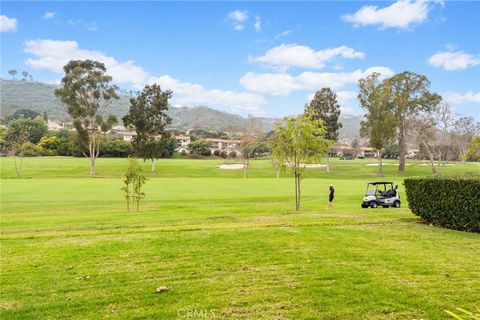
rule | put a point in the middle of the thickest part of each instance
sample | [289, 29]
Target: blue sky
[262, 58]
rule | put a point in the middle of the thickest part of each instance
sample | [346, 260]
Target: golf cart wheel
[373, 205]
[396, 204]
[364, 205]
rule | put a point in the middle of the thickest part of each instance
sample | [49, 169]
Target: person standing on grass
[331, 195]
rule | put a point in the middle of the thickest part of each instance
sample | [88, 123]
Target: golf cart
[381, 194]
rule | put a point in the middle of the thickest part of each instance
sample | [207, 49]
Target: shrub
[217, 152]
[49, 145]
[449, 201]
[200, 147]
[29, 149]
[232, 154]
[115, 148]
[224, 154]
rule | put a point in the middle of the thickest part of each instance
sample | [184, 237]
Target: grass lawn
[227, 247]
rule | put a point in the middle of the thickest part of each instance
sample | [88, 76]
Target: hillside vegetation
[40, 97]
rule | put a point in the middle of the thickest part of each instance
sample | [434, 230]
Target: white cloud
[91, 26]
[282, 84]
[294, 55]
[52, 55]
[276, 84]
[186, 93]
[237, 18]
[7, 24]
[461, 98]
[347, 99]
[238, 15]
[454, 60]
[401, 14]
[258, 23]
[283, 34]
[239, 27]
[49, 15]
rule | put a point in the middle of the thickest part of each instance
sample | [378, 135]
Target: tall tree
[25, 75]
[296, 142]
[87, 92]
[324, 106]
[380, 121]
[148, 115]
[409, 95]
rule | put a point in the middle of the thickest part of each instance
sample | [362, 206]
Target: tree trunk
[401, 144]
[380, 163]
[245, 167]
[18, 166]
[298, 191]
[92, 165]
[127, 191]
[439, 164]
[328, 162]
[430, 155]
[153, 165]
[295, 173]
[93, 153]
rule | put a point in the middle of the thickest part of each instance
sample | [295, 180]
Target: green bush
[115, 148]
[200, 147]
[29, 149]
[449, 201]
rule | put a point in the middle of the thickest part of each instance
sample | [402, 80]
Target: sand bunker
[386, 164]
[313, 165]
[232, 166]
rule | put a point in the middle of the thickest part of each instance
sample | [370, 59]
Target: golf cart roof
[380, 182]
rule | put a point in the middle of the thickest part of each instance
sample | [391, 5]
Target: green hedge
[449, 201]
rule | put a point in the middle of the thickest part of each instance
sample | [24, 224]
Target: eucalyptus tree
[87, 92]
[409, 95]
[380, 121]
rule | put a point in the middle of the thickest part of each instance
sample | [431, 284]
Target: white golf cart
[381, 193]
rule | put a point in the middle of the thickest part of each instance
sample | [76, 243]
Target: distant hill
[39, 97]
